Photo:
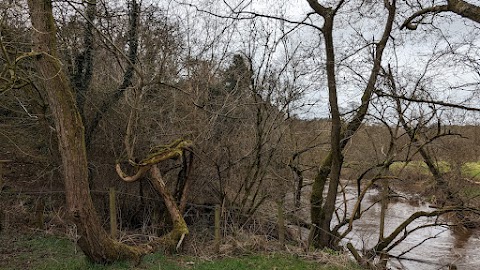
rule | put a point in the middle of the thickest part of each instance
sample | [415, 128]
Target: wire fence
[214, 222]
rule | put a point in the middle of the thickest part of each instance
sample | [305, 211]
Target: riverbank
[415, 179]
[37, 250]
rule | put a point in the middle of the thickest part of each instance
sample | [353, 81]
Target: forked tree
[323, 207]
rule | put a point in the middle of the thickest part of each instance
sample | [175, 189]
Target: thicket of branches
[237, 104]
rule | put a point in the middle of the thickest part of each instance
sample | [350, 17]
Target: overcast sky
[415, 50]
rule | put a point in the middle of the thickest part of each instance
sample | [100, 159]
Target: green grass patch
[272, 261]
[46, 252]
[471, 170]
[419, 167]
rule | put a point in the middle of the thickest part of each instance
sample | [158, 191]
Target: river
[442, 248]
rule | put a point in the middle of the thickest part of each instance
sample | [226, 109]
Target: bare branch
[459, 7]
[411, 25]
[253, 15]
[388, 240]
[319, 8]
[426, 101]
[133, 178]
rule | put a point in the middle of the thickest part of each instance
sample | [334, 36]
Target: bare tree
[128, 77]
[322, 209]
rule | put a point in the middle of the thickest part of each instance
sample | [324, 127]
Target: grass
[471, 169]
[272, 261]
[48, 252]
[419, 167]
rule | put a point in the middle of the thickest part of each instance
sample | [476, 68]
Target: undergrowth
[50, 252]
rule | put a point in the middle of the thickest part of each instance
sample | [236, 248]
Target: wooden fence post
[281, 224]
[2, 214]
[156, 220]
[217, 228]
[2, 221]
[39, 209]
[113, 213]
[1, 176]
[2, 172]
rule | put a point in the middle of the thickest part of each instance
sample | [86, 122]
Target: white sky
[409, 59]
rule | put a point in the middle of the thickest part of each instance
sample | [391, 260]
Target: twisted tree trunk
[176, 149]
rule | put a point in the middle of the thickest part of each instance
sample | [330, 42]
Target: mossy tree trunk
[92, 238]
[174, 238]
[174, 150]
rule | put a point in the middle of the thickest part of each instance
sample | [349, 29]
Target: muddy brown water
[439, 246]
[431, 248]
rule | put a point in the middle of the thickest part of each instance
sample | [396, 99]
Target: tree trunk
[174, 238]
[92, 238]
[128, 76]
[321, 235]
[176, 149]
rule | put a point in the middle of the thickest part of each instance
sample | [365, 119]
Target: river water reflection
[444, 247]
